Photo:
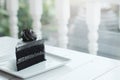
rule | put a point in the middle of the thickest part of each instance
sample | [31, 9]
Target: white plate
[52, 62]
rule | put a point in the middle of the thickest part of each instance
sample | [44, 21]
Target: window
[109, 36]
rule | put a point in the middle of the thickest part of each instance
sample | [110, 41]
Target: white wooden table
[81, 67]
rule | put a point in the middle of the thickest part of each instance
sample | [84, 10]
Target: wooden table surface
[81, 67]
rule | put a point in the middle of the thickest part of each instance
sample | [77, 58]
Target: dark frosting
[28, 35]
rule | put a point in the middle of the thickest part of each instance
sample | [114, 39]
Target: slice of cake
[29, 51]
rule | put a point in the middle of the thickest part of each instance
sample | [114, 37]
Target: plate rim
[66, 60]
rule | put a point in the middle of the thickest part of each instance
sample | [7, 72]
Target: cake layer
[28, 54]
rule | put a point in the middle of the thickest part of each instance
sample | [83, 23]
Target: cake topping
[28, 35]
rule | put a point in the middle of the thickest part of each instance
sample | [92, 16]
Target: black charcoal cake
[29, 51]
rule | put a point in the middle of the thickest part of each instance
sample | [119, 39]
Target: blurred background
[109, 28]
